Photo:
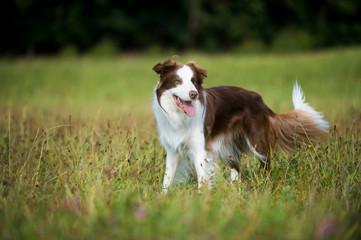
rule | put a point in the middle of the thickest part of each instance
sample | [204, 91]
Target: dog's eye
[179, 81]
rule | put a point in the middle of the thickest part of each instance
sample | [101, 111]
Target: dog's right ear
[166, 66]
[158, 68]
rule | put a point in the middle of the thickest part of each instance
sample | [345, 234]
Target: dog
[196, 125]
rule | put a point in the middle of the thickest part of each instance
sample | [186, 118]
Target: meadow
[80, 157]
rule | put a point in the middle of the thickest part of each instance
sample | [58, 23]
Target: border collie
[197, 125]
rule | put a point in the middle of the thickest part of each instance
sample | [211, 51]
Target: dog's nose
[193, 94]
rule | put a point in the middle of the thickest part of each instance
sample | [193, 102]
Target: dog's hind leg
[234, 165]
[234, 174]
[263, 155]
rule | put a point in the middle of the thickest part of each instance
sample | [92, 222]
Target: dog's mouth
[185, 106]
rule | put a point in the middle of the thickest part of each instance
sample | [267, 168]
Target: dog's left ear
[201, 73]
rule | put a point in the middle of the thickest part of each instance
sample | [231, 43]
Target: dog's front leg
[203, 165]
[171, 167]
[203, 172]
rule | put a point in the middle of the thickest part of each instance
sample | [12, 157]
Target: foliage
[105, 48]
[41, 26]
[69, 51]
[292, 40]
[80, 158]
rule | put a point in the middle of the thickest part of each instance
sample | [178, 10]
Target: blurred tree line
[43, 26]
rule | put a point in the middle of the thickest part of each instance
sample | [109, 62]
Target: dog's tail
[302, 125]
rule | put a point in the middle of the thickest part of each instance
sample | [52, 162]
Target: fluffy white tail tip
[299, 103]
[297, 96]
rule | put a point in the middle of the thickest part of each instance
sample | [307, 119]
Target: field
[80, 157]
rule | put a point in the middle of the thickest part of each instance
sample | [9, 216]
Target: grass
[80, 158]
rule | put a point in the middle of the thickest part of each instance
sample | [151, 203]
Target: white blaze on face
[182, 90]
[180, 93]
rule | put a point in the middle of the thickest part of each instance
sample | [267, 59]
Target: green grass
[80, 158]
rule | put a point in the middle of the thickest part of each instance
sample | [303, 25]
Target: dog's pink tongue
[188, 108]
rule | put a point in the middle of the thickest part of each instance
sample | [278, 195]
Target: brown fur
[242, 114]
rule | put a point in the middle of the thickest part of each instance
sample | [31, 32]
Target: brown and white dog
[197, 125]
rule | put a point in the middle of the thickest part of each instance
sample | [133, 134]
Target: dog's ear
[158, 68]
[201, 73]
[166, 66]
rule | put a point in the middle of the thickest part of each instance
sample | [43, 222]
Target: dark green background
[47, 27]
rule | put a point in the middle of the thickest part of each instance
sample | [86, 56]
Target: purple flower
[140, 212]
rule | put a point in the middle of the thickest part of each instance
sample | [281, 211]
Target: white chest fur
[175, 127]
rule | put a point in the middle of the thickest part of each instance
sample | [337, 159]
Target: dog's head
[181, 82]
